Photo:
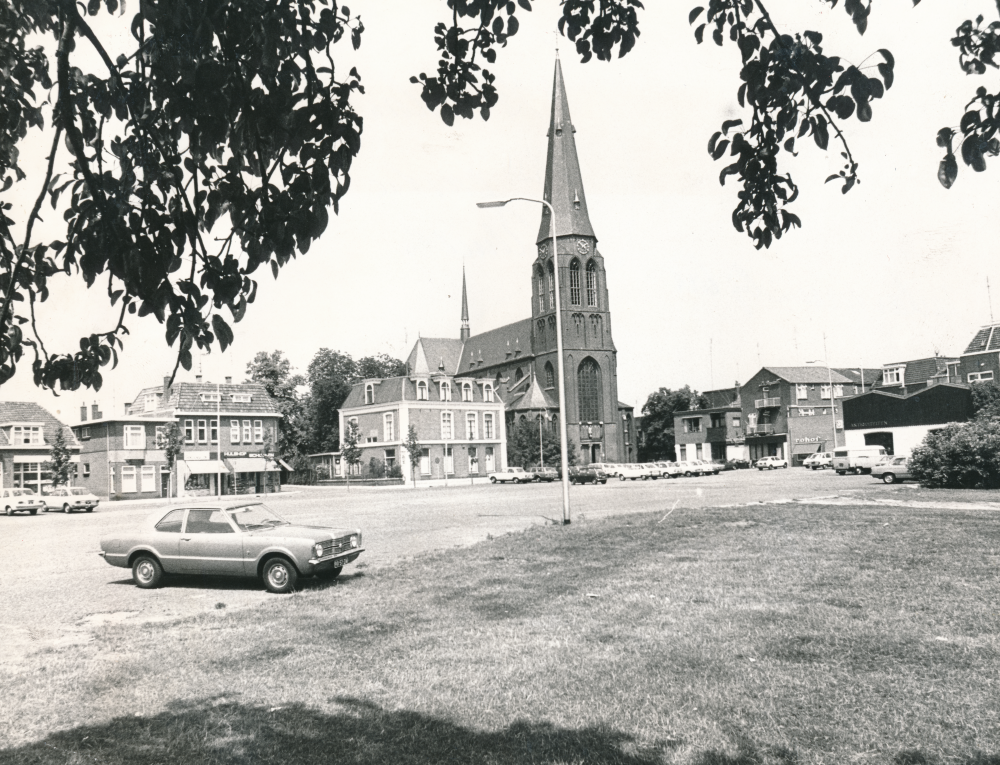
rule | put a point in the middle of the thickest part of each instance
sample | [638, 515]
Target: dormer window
[422, 391]
[241, 398]
[488, 392]
[466, 391]
[369, 393]
[893, 375]
[26, 434]
[210, 398]
[445, 390]
[151, 401]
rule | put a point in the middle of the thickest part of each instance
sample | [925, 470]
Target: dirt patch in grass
[730, 636]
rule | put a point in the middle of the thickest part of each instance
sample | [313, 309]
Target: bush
[394, 472]
[963, 456]
[376, 468]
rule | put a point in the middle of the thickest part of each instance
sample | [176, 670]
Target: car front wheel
[66, 509]
[889, 478]
[9, 511]
[620, 478]
[493, 479]
[147, 572]
[279, 575]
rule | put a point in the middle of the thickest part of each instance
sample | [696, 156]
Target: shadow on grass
[210, 582]
[221, 732]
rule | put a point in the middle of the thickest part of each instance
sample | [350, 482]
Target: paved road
[54, 589]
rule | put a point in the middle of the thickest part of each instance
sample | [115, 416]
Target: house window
[148, 478]
[446, 429]
[466, 391]
[189, 431]
[718, 421]
[893, 375]
[445, 390]
[592, 284]
[421, 391]
[211, 398]
[736, 422]
[975, 377]
[692, 425]
[473, 460]
[161, 436]
[25, 434]
[111, 481]
[247, 433]
[838, 391]
[370, 393]
[390, 459]
[388, 427]
[425, 462]
[150, 402]
[84, 433]
[807, 412]
[135, 437]
[258, 432]
[32, 475]
[234, 431]
[824, 391]
[449, 460]
[86, 470]
[488, 426]
[214, 431]
[128, 479]
[488, 393]
[574, 282]
[801, 391]
[202, 431]
[471, 426]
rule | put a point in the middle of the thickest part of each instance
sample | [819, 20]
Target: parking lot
[55, 589]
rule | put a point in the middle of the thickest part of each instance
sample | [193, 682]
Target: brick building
[715, 433]
[27, 431]
[459, 421]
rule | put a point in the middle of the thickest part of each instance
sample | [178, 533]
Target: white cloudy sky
[896, 269]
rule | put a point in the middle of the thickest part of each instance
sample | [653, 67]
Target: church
[514, 367]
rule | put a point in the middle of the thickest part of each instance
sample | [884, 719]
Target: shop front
[251, 473]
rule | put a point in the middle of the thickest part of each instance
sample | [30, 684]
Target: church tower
[592, 409]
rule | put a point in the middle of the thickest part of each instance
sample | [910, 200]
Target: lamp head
[492, 204]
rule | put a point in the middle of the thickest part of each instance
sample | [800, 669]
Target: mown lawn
[770, 634]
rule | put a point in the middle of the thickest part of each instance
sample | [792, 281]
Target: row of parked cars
[66, 498]
[600, 472]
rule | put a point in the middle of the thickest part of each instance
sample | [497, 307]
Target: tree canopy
[657, 430]
[214, 142]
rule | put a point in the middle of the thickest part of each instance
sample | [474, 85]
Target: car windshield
[23, 493]
[78, 492]
[250, 517]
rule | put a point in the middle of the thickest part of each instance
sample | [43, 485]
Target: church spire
[465, 333]
[563, 181]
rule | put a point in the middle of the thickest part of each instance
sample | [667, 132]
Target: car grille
[337, 546]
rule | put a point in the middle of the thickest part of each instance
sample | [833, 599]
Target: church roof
[430, 354]
[563, 181]
[497, 346]
[534, 398]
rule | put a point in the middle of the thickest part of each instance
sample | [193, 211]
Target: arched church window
[591, 284]
[589, 393]
[421, 391]
[518, 374]
[574, 282]
[552, 287]
[540, 278]
[550, 375]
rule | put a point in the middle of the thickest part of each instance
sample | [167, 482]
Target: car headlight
[354, 540]
[318, 550]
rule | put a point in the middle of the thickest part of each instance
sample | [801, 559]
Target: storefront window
[31, 475]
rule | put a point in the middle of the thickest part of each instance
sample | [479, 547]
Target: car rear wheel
[493, 479]
[279, 575]
[9, 511]
[889, 478]
[66, 509]
[858, 471]
[147, 572]
[621, 478]
[33, 511]
[517, 480]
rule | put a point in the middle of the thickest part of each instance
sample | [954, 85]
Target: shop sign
[195, 456]
[244, 454]
[808, 440]
[876, 424]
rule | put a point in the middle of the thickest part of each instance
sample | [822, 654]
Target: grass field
[767, 634]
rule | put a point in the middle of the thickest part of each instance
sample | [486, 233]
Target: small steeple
[563, 181]
[465, 333]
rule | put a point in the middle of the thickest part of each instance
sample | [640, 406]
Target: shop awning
[206, 467]
[806, 448]
[285, 465]
[253, 465]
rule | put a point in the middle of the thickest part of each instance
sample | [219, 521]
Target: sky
[897, 269]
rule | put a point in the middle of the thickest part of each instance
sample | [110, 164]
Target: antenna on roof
[989, 298]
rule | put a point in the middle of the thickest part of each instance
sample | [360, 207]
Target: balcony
[760, 430]
[767, 403]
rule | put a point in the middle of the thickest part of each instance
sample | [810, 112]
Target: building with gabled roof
[599, 425]
[27, 432]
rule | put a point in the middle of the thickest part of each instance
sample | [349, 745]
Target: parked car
[632, 472]
[609, 468]
[691, 468]
[231, 539]
[737, 463]
[860, 459]
[512, 475]
[545, 474]
[709, 468]
[588, 474]
[771, 463]
[69, 498]
[669, 469]
[818, 461]
[20, 501]
[893, 470]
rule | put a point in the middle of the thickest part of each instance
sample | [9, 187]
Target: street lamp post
[563, 437]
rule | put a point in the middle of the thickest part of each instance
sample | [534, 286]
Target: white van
[857, 460]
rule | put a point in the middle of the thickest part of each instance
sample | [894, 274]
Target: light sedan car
[670, 469]
[818, 461]
[892, 470]
[231, 539]
[20, 501]
[512, 475]
[69, 499]
[770, 463]
[694, 467]
[632, 472]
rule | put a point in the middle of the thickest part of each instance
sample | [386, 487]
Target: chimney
[128, 409]
[166, 388]
[95, 413]
[197, 378]
[229, 381]
[83, 413]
